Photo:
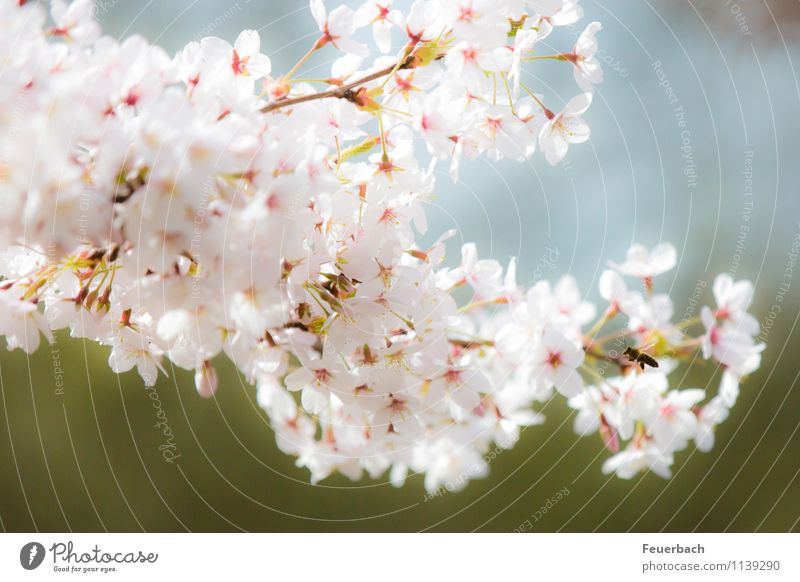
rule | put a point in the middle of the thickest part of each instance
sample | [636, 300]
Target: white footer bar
[390, 557]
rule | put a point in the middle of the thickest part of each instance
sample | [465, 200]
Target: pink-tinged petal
[259, 65]
[664, 256]
[341, 22]
[409, 426]
[465, 397]
[578, 104]
[366, 14]
[661, 468]
[555, 148]
[319, 13]
[247, 43]
[397, 476]
[587, 42]
[350, 46]
[729, 388]
[382, 419]
[315, 400]
[572, 356]
[742, 295]
[612, 286]
[722, 287]
[298, 379]
[119, 361]
[146, 367]
[704, 441]
[568, 382]
[578, 131]
[206, 380]
[586, 424]
[512, 338]
[527, 418]
[214, 48]
[688, 398]
[382, 33]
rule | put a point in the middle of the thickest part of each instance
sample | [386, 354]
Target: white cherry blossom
[588, 71]
[637, 457]
[565, 128]
[337, 27]
[712, 414]
[380, 15]
[555, 363]
[672, 422]
[640, 262]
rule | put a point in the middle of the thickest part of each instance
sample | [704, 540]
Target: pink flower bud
[205, 379]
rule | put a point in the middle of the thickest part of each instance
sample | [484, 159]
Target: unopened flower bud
[205, 380]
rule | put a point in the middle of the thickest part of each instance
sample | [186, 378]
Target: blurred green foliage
[89, 460]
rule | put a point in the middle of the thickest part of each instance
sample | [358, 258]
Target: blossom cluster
[177, 208]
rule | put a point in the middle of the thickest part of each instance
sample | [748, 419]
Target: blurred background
[710, 166]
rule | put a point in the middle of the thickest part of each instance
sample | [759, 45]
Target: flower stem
[396, 67]
[535, 98]
[384, 155]
[550, 57]
[508, 92]
[303, 59]
[482, 303]
[608, 314]
[688, 322]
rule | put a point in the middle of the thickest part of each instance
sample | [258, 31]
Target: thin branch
[471, 344]
[620, 361]
[343, 92]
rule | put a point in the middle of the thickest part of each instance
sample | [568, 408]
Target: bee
[640, 357]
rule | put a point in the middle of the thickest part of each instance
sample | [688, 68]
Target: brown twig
[471, 344]
[127, 188]
[343, 92]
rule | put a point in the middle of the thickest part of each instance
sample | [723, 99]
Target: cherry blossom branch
[362, 358]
